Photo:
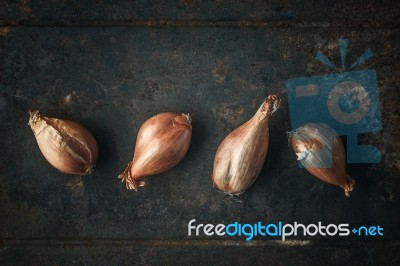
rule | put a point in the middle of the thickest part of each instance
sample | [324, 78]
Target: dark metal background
[112, 66]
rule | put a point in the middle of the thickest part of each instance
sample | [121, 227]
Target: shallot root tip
[227, 193]
[89, 169]
[134, 184]
[130, 181]
[34, 116]
[234, 198]
[350, 187]
[217, 188]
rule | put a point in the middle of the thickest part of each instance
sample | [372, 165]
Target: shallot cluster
[164, 139]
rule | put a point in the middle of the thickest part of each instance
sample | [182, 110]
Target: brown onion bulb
[317, 146]
[66, 145]
[162, 142]
[241, 155]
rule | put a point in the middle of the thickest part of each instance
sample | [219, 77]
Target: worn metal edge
[194, 243]
[165, 23]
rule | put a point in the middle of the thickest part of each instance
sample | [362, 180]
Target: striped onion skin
[66, 145]
[241, 155]
[320, 150]
[162, 142]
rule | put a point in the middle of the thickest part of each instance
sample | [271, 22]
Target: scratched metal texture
[112, 66]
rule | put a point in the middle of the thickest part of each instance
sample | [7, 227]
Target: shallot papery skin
[162, 142]
[241, 155]
[320, 150]
[66, 145]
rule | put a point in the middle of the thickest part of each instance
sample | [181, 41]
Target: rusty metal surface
[110, 68]
[341, 12]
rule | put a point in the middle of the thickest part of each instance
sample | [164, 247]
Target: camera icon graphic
[346, 101]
